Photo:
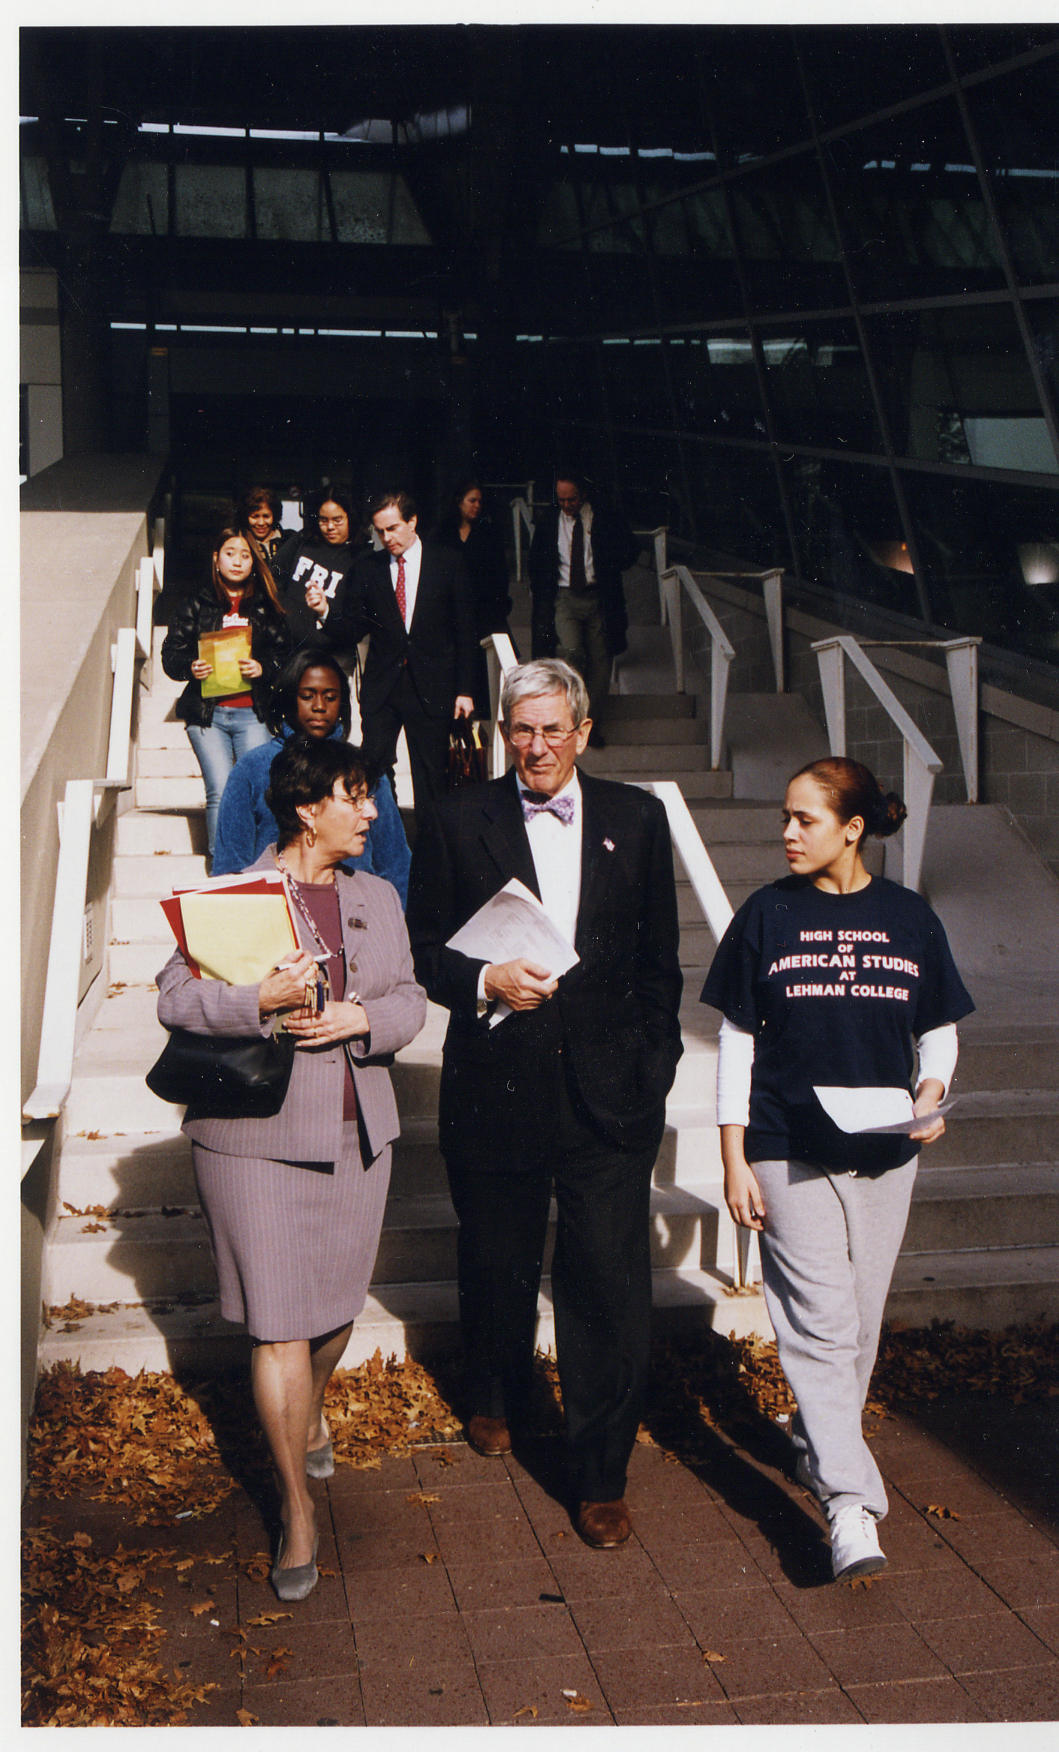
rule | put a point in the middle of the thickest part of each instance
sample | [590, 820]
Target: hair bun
[890, 812]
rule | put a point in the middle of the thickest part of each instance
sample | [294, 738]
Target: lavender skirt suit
[294, 1204]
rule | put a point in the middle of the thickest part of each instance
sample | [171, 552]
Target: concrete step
[988, 1128]
[655, 760]
[398, 1320]
[176, 761]
[172, 793]
[988, 1289]
[136, 918]
[169, 828]
[1028, 1059]
[134, 1172]
[758, 823]
[624, 708]
[135, 964]
[128, 1258]
[622, 732]
[956, 1209]
[157, 875]
[161, 732]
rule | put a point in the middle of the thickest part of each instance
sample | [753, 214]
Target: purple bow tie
[536, 803]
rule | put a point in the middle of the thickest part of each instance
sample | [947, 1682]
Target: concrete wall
[1018, 738]
[78, 573]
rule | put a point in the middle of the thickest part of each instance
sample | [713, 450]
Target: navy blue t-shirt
[833, 987]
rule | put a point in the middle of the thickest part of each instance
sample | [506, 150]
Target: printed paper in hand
[512, 926]
[874, 1112]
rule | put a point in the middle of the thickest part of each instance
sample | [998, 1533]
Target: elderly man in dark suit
[579, 550]
[415, 600]
[566, 1093]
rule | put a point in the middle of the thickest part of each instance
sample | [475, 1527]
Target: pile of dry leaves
[90, 1638]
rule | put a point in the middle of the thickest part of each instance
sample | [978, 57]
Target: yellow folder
[237, 937]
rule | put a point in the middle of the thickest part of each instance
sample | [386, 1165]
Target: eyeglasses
[524, 735]
[331, 522]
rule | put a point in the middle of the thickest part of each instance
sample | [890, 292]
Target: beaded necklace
[295, 891]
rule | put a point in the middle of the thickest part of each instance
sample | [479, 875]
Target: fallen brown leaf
[712, 1656]
[245, 1719]
[420, 1496]
[266, 1618]
[529, 1709]
[429, 1556]
[202, 1606]
[941, 1512]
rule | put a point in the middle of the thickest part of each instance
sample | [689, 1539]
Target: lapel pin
[609, 843]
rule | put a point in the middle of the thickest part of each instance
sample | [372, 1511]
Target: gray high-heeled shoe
[320, 1462]
[299, 1582]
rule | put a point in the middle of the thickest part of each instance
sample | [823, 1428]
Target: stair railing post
[670, 582]
[830, 661]
[145, 591]
[720, 663]
[59, 1017]
[919, 788]
[158, 552]
[122, 658]
[961, 661]
[772, 588]
[746, 1257]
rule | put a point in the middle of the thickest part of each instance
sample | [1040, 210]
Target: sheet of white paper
[880, 1112]
[512, 926]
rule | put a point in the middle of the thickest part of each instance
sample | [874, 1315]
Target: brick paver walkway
[456, 1591]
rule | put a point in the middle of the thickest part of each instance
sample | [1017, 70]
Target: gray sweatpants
[827, 1256]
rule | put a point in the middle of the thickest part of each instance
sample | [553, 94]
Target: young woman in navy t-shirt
[826, 980]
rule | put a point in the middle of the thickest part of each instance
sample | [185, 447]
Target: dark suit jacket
[613, 549]
[615, 1014]
[440, 648]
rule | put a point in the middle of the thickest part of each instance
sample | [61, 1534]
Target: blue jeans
[234, 731]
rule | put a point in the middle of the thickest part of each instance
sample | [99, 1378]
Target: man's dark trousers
[600, 1278]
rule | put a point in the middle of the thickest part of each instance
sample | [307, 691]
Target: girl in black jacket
[242, 594]
[313, 569]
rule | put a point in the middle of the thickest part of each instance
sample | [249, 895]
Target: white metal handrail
[772, 589]
[722, 651]
[499, 658]
[920, 762]
[961, 662]
[79, 811]
[659, 537]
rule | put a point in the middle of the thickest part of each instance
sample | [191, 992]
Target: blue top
[246, 825]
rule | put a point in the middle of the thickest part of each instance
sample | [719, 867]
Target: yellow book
[237, 937]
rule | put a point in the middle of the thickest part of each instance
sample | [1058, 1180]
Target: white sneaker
[855, 1545]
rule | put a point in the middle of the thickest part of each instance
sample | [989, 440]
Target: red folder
[251, 882]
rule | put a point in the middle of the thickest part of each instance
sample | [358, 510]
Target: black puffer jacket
[270, 643]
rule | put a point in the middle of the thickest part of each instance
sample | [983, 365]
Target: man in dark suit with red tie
[567, 1093]
[415, 600]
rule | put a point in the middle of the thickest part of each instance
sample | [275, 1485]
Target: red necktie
[401, 602]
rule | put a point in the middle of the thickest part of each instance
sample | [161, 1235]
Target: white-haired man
[564, 1097]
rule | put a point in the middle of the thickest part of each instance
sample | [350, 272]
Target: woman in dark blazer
[294, 1203]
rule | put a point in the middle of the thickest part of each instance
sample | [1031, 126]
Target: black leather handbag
[216, 1076]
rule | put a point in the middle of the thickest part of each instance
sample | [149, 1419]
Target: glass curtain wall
[823, 328]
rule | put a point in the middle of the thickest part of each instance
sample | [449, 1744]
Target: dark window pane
[979, 541]
[984, 45]
[739, 510]
[818, 387]
[634, 375]
[716, 387]
[856, 70]
[958, 388]
[210, 200]
[783, 227]
[752, 91]
[911, 209]
[850, 533]
[1015, 119]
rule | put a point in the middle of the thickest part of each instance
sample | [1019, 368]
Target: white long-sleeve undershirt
[938, 1049]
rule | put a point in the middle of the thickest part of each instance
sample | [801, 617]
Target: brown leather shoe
[489, 1435]
[604, 1524]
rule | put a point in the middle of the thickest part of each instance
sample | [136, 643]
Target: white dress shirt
[413, 560]
[555, 847]
[566, 531]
